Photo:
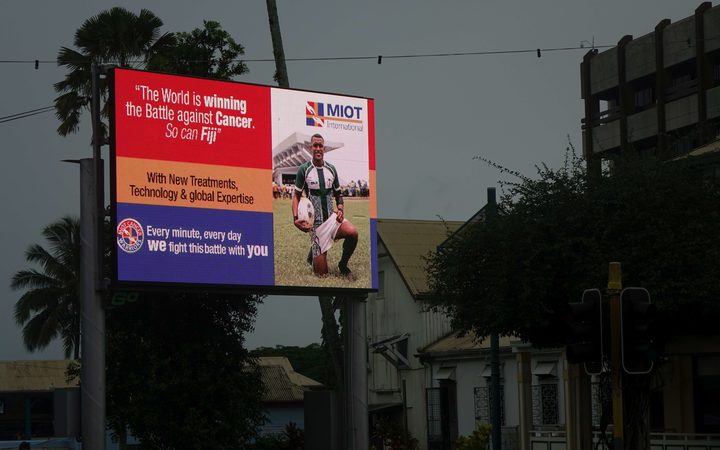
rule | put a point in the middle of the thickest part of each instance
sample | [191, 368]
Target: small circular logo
[130, 236]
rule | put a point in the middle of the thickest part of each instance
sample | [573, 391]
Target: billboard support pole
[92, 326]
[93, 317]
[356, 375]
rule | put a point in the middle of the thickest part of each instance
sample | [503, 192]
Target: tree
[311, 360]
[51, 307]
[116, 36]
[208, 52]
[555, 237]
[178, 374]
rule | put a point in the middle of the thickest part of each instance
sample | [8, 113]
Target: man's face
[317, 146]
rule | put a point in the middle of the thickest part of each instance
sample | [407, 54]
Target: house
[39, 404]
[32, 394]
[284, 393]
[533, 384]
[399, 323]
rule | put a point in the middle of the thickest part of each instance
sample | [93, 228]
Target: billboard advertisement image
[219, 183]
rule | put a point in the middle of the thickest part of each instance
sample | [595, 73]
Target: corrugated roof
[18, 376]
[282, 383]
[282, 361]
[408, 242]
[278, 387]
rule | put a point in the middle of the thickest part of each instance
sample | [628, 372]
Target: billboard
[205, 174]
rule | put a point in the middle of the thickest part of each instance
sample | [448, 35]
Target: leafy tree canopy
[208, 52]
[178, 375]
[555, 235]
[50, 307]
[122, 38]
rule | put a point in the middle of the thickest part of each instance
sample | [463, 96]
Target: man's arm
[339, 202]
[340, 205]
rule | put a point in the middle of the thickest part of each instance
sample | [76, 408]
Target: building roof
[455, 343]
[282, 383]
[19, 376]
[703, 150]
[408, 242]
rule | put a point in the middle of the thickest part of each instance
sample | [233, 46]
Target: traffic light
[636, 318]
[585, 331]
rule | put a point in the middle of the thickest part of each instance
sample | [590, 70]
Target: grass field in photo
[292, 246]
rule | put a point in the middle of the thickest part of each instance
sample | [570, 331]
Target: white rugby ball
[306, 211]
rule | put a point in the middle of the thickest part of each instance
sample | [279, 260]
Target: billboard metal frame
[124, 285]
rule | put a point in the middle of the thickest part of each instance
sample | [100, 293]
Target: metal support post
[355, 355]
[614, 288]
[93, 316]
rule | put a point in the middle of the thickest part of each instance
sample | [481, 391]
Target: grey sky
[432, 114]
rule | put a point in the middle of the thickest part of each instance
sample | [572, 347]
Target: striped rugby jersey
[320, 185]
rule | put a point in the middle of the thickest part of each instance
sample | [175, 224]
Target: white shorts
[323, 235]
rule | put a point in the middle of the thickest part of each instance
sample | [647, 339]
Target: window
[601, 404]
[707, 394]
[545, 404]
[438, 418]
[644, 97]
[483, 404]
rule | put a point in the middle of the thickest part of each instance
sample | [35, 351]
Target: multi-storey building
[655, 96]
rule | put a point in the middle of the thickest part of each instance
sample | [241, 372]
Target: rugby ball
[306, 211]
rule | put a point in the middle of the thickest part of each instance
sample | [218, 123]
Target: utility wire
[25, 114]
[357, 57]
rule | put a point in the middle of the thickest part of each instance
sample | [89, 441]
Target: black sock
[349, 245]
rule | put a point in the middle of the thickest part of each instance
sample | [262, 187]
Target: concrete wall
[681, 113]
[604, 71]
[713, 102]
[712, 29]
[642, 125]
[676, 48]
[606, 136]
[640, 57]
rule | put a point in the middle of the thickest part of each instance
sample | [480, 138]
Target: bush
[478, 440]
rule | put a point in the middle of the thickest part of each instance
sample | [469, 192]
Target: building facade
[655, 96]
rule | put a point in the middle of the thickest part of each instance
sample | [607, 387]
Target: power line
[25, 114]
[356, 57]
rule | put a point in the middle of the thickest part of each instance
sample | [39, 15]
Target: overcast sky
[433, 114]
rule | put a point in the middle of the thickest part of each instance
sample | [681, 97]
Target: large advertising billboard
[207, 176]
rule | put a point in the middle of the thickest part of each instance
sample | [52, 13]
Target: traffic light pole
[614, 287]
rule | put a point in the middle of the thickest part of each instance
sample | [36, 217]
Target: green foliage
[115, 36]
[292, 438]
[391, 434]
[311, 361]
[178, 375]
[556, 234]
[208, 52]
[122, 38]
[50, 308]
[478, 440]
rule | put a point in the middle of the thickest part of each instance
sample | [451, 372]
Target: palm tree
[116, 36]
[51, 305]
